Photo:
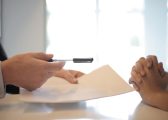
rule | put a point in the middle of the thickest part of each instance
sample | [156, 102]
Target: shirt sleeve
[2, 85]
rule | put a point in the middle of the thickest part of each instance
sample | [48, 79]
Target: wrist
[158, 99]
[153, 97]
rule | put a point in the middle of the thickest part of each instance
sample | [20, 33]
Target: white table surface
[121, 107]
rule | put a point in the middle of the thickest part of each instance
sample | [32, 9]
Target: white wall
[23, 26]
[156, 28]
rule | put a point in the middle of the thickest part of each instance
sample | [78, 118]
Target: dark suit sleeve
[9, 88]
[3, 55]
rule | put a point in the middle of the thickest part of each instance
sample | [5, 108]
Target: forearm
[161, 100]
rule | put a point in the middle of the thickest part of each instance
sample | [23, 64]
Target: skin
[69, 75]
[31, 70]
[150, 80]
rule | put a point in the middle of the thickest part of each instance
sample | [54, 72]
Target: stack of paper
[102, 82]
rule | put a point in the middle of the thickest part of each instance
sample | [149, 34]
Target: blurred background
[114, 32]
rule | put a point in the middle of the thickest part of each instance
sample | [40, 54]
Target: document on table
[102, 82]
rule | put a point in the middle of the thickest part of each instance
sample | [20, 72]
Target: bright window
[110, 31]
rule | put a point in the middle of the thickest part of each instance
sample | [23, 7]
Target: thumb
[43, 56]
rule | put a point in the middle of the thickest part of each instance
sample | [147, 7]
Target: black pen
[75, 60]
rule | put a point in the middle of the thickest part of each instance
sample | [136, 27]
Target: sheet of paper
[102, 82]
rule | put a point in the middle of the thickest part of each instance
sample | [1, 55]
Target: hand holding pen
[71, 75]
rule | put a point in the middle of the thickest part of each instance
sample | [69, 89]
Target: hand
[151, 82]
[148, 63]
[135, 79]
[30, 70]
[150, 59]
[69, 75]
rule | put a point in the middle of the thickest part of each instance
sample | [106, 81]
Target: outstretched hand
[29, 70]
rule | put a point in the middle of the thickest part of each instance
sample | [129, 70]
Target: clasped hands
[148, 72]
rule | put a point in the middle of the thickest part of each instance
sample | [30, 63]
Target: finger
[66, 75]
[149, 62]
[42, 56]
[154, 61]
[130, 81]
[136, 76]
[161, 69]
[140, 64]
[136, 87]
[76, 74]
[55, 66]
